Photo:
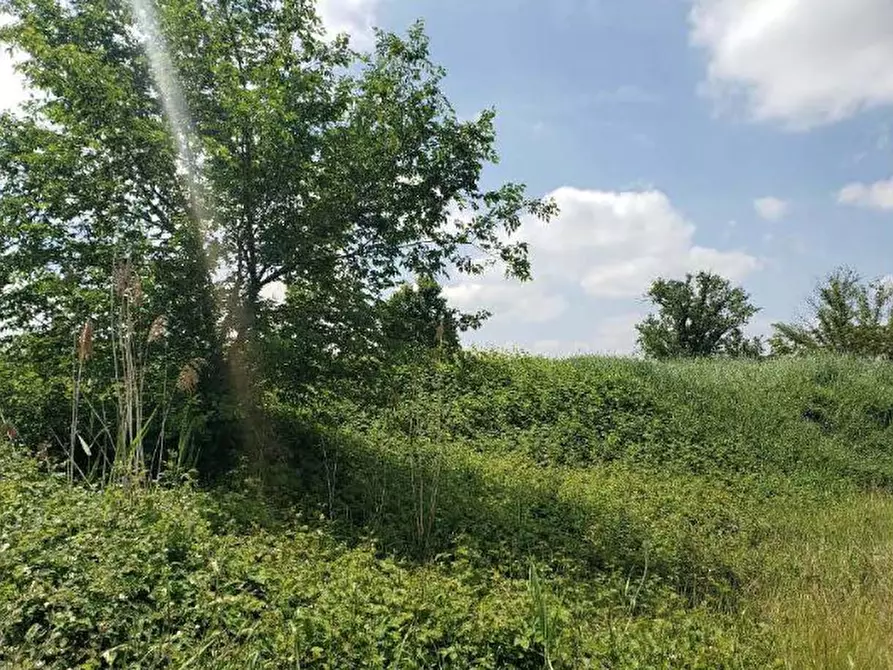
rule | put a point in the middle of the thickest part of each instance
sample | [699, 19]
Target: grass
[503, 512]
[831, 600]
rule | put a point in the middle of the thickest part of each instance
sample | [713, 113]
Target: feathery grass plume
[187, 379]
[136, 290]
[158, 329]
[84, 349]
[85, 342]
[122, 279]
[128, 284]
[9, 431]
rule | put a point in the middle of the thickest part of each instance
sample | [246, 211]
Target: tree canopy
[702, 315]
[329, 174]
[846, 315]
[418, 317]
[335, 173]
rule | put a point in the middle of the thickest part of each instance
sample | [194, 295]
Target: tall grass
[82, 351]
[119, 449]
[544, 620]
[827, 588]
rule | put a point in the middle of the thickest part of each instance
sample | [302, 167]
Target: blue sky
[750, 137]
[731, 127]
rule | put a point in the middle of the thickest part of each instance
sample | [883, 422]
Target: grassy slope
[679, 515]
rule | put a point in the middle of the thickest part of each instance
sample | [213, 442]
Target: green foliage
[417, 316]
[428, 507]
[325, 172]
[34, 405]
[333, 172]
[848, 316]
[169, 577]
[665, 508]
[701, 316]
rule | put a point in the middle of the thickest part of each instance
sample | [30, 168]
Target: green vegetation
[194, 474]
[847, 315]
[700, 316]
[332, 173]
[490, 511]
[418, 317]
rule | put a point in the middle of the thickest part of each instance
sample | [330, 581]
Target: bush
[492, 511]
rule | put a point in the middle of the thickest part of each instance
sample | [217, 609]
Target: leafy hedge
[175, 578]
[815, 417]
[652, 498]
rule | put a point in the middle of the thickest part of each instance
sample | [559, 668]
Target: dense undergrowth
[494, 512]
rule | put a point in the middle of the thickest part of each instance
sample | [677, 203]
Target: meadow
[491, 511]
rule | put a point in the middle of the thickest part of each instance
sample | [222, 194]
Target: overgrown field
[495, 512]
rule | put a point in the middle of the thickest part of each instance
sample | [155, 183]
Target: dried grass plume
[85, 341]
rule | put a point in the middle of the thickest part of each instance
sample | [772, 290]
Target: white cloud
[355, 17]
[609, 245]
[559, 348]
[771, 209]
[799, 62]
[878, 195]
[508, 300]
[12, 89]
[617, 334]
[274, 292]
[612, 244]
[613, 335]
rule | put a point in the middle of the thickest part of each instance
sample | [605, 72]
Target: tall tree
[702, 315]
[847, 316]
[332, 172]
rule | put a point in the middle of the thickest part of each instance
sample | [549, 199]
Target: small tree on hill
[702, 315]
[417, 316]
[848, 316]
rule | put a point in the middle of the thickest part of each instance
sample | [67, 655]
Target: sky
[753, 138]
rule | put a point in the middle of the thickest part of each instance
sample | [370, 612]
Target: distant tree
[848, 316]
[417, 316]
[702, 315]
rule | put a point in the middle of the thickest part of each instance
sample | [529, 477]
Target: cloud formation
[509, 301]
[799, 62]
[612, 244]
[770, 208]
[606, 244]
[878, 195]
[355, 17]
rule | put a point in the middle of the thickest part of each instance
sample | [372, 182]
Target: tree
[417, 316]
[703, 315]
[332, 172]
[848, 316]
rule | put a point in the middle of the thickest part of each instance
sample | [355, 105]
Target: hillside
[498, 511]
